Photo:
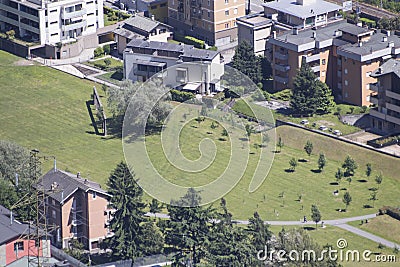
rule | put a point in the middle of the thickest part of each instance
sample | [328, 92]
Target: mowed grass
[383, 226]
[46, 109]
[331, 234]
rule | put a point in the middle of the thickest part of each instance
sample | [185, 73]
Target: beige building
[342, 55]
[76, 209]
[385, 117]
[213, 21]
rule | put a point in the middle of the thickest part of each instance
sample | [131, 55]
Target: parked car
[337, 132]
[304, 122]
[323, 128]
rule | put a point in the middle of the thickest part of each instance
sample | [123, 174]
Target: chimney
[152, 17]
[78, 175]
[295, 31]
[384, 39]
[55, 165]
[11, 217]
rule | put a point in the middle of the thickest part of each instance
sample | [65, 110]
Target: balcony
[312, 58]
[280, 79]
[392, 94]
[374, 87]
[9, 20]
[74, 26]
[282, 68]
[316, 68]
[393, 107]
[75, 14]
[374, 99]
[29, 28]
[375, 113]
[393, 119]
[281, 56]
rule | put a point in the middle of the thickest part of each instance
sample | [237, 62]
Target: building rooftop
[390, 66]
[143, 23]
[64, 184]
[10, 230]
[183, 49]
[356, 30]
[308, 9]
[255, 20]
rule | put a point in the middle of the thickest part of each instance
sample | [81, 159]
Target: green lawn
[46, 109]
[114, 77]
[383, 226]
[100, 62]
[331, 234]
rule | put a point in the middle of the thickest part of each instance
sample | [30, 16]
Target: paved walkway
[84, 56]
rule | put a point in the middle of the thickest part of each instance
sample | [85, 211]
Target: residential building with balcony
[15, 242]
[284, 15]
[213, 21]
[385, 116]
[341, 54]
[140, 27]
[76, 208]
[183, 66]
[51, 21]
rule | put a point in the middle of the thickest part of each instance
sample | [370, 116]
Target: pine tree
[260, 234]
[310, 95]
[321, 161]
[129, 214]
[151, 239]
[247, 62]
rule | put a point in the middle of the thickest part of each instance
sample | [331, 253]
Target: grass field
[331, 234]
[46, 109]
[114, 63]
[114, 77]
[383, 226]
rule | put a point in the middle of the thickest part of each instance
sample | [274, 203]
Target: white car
[323, 128]
[337, 132]
[304, 122]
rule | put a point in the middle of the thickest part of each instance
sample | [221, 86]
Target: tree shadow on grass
[334, 183]
[289, 170]
[362, 181]
[367, 206]
[309, 228]
[316, 171]
[302, 160]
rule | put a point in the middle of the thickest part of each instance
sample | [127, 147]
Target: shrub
[370, 23]
[213, 48]
[283, 95]
[98, 52]
[190, 41]
[107, 61]
[180, 96]
[10, 34]
[107, 49]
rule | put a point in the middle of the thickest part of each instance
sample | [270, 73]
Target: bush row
[180, 96]
[190, 40]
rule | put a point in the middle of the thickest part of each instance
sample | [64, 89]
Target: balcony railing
[281, 56]
[392, 94]
[393, 107]
[375, 113]
[316, 68]
[374, 87]
[29, 28]
[9, 20]
[280, 79]
[283, 68]
[393, 119]
[74, 26]
[312, 58]
[374, 99]
[74, 14]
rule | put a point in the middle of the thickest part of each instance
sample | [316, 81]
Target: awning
[191, 86]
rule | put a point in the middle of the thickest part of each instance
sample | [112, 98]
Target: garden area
[112, 16]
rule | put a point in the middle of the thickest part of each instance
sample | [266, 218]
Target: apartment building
[284, 15]
[140, 27]
[189, 69]
[14, 240]
[76, 209]
[51, 21]
[385, 117]
[213, 21]
[341, 54]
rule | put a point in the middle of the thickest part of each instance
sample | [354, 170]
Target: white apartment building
[51, 21]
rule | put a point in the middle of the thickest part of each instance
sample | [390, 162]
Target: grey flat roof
[185, 50]
[356, 30]
[255, 20]
[127, 33]
[67, 183]
[389, 66]
[303, 11]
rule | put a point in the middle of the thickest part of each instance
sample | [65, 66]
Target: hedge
[180, 96]
[190, 41]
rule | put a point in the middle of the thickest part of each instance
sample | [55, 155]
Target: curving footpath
[341, 223]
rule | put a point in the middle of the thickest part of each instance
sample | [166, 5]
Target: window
[209, 14]
[226, 25]
[90, 2]
[235, 11]
[345, 71]
[209, 3]
[226, 12]
[18, 246]
[346, 82]
[323, 61]
[154, 7]
[53, 22]
[234, 23]
[54, 34]
[94, 195]
[346, 95]
[163, 5]
[54, 10]
[322, 73]
[91, 25]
